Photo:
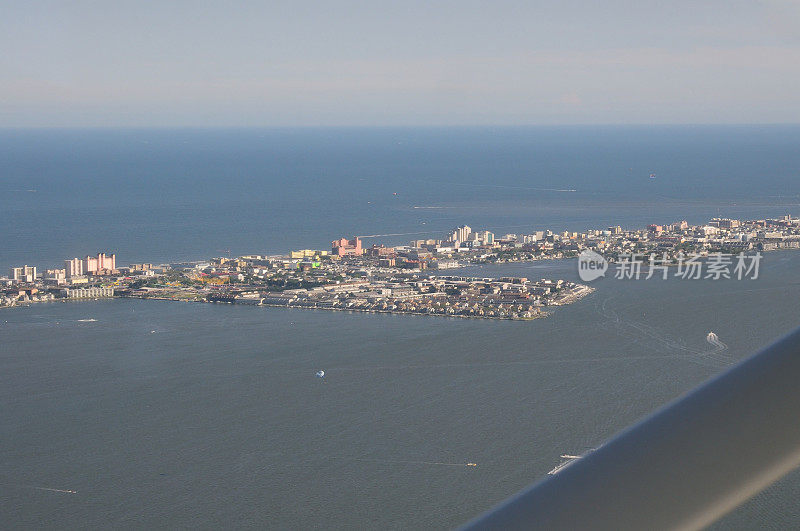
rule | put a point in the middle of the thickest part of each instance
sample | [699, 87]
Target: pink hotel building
[345, 247]
[90, 265]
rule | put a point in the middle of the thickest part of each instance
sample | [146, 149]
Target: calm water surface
[160, 414]
[197, 415]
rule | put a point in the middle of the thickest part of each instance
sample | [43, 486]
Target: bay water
[128, 413]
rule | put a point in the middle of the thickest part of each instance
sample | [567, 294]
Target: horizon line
[394, 126]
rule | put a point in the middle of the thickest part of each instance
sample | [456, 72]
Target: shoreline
[542, 315]
[568, 299]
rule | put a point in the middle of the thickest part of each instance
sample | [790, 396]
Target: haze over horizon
[184, 64]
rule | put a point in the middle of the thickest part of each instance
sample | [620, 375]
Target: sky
[405, 63]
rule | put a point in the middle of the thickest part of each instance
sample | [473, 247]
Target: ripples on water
[219, 417]
[192, 415]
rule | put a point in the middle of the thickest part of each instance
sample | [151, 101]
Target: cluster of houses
[505, 298]
[381, 278]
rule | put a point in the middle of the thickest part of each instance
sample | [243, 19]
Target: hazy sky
[169, 63]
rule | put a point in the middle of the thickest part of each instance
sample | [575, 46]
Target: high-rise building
[461, 234]
[482, 237]
[74, 267]
[23, 274]
[99, 264]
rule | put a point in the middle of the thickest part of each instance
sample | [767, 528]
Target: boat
[567, 461]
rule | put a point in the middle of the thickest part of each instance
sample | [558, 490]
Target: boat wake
[63, 491]
[716, 353]
[655, 340]
[406, 462]
[718, 345]
[567, 460]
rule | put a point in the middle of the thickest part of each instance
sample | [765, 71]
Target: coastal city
[411, 279]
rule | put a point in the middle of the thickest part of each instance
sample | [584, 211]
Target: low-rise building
[87, 293]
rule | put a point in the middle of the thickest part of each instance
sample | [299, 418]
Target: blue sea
[172, 195]
[143, 414]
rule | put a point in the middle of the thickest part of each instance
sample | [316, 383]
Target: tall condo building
[23, 274]
[99, 263]
[482, 237]
[74, 267]
[461, 234]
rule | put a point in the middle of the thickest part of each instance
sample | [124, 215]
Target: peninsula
[399, 279]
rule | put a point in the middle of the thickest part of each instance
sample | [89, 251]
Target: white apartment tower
[74, 267]
[23, 274]
[461, 234]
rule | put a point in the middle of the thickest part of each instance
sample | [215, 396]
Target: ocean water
[160, 196]
[167, 414]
